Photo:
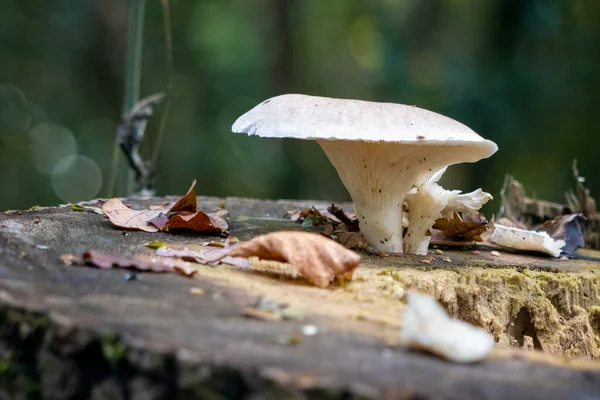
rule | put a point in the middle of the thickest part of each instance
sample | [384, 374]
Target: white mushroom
[426, 326]
[380, 150]
[522, 239]
[428, 202]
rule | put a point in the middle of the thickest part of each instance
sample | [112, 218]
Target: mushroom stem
[424, 207]
[384, 226]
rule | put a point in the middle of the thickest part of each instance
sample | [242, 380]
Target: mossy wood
[81, 332]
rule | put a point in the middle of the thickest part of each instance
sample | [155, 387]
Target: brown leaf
[313, 256]
[351, 240]
[198, 221]
[351, 223]
[105, 261]
[206, 256]
[188, 202]
[70, 259]
[470, 227]
[566, 228]
[159, 221]
[124, 217]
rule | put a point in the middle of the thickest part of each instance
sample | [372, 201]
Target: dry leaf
[70, 259]
[159, 221]
[183, 214]
[188, 202]
[198, 221]
[107, 261]
[567, 228]
[102, 260]
[124, 217]
[313, 256]
[205, 256]
[351, 240]
[470, 227]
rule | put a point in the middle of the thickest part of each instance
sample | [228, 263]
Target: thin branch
[135, 39]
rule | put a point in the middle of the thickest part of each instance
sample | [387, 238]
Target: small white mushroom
[380, 150]
[429, 202]
[426, 326]
[521, 239]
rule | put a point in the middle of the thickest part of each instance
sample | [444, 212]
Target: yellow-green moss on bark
[559, 312]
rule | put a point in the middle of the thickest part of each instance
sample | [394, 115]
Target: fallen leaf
[159, 221]
[70, 259]
[328, 229]
[78, 207]
[350, 221]
[198, 221]
[124, 217]
[107, 261]
[197, 291]
[103, 260]
[351, 240]
[183, 214]
[188, 202]
[263, 315]
[469, 227]
[567, 228]
[155, 245]
[205, 256]
[313, 256]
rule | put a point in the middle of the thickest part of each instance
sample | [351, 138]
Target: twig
[135, 36]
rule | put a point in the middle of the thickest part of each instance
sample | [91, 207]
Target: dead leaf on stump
[198, 221]
[124, 217]
[468, 227]
[205, 256]
[566, 228]
[313, 256]
[183, 214]
[107, 261]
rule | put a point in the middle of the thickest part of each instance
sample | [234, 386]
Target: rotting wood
[150, 336]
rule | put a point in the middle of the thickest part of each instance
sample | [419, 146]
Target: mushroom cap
[311, 117]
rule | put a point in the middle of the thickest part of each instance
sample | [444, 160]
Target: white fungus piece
[426, 326]
[521, 239]
[466, 202]
[380, 150]
[429, 202]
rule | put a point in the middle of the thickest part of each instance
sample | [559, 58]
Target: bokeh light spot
[50, 143]
[76, 178]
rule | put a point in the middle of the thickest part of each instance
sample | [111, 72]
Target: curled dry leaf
[351, 240]
[107, 261]
[468, 227]
[188, 202]
[183, 214]
[313, 256]
[124, 217]
[567, 228]
[205, 256]
[198, 221]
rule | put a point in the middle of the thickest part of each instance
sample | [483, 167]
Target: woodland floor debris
[426, 326]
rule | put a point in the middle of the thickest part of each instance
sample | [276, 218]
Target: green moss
[113, 349]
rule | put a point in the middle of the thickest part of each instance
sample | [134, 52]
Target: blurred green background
[523, 73]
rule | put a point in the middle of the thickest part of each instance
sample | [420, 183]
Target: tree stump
[70, 331]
